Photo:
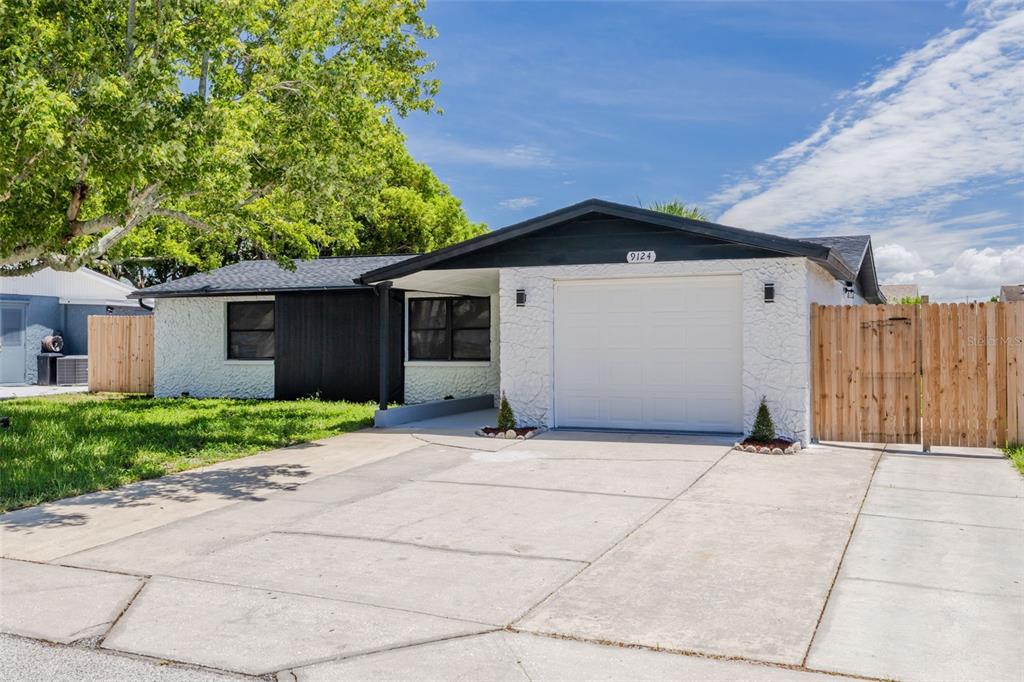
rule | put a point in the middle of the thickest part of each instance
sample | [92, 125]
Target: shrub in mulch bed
[517, 432]
[776, 446]
[762, 437]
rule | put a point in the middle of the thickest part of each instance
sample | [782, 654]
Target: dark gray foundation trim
[438, 408]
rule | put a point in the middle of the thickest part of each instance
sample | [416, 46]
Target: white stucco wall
[430, 380]
[190, 343]
[776, 348]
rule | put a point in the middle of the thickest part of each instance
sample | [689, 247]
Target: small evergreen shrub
[506, 419]
[764, 427]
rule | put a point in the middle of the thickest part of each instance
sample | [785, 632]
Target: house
[50, 302]
[1011, 292]
[894, 293]
[598, 315]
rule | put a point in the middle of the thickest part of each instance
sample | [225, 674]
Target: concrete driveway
[429, 554]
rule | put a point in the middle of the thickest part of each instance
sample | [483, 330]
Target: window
[251, 331]
[449, 329]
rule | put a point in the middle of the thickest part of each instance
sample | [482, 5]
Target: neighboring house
[1011, 292]
[598, 315]
[48, 302]
[894, 293]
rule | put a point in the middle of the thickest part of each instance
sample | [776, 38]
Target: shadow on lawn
[235, 483]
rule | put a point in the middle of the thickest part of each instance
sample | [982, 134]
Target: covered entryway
[649, 353]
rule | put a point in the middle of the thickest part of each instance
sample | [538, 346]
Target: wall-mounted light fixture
[769, 292]
[848, 289]
[520, 298]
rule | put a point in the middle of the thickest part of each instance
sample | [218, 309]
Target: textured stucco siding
[190, 342]
[775, 356]
[426, 381]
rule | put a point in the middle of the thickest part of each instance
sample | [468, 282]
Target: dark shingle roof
[851, 248]
[266, 276]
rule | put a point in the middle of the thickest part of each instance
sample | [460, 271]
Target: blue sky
[901, 120]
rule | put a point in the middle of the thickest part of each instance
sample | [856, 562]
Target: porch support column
[384, 354]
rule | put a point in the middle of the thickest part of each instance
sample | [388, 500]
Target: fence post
[921, 310]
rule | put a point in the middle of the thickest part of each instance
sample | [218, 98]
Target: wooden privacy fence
[121, 353]
[936, 374]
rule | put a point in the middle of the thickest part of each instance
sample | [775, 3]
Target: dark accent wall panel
[602, 239]
[326, 344]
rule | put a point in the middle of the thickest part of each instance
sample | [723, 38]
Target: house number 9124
[641, 257]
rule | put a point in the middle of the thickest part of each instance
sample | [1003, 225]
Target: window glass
[251, 316]
[428, 313]
[471, 344]
[449, 328]
[251, 331]
[428, 344]
[471, 312]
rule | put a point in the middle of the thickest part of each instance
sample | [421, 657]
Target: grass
[1015, 451]
[68, 445]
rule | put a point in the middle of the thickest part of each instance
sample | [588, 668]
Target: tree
[177, 135]
[678, 208]
[506, 418]
[764, 427]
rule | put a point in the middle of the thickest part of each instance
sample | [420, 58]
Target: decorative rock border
[760, 449]
[510, 434]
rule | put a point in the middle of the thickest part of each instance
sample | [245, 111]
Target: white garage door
[649, 354]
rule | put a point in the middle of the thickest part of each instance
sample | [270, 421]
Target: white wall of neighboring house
[190, 344]
[775, 349]
[81, 286]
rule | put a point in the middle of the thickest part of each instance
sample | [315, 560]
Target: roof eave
[781, 245]
[145, 293]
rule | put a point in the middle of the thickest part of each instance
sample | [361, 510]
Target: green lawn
[1015, 451]
[67, 445]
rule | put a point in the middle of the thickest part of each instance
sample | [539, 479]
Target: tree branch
[181, 217]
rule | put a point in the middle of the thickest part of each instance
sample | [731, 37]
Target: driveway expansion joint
[944, 523]
[951, 492]
[374, 652]
[693, 654]
[548, 490]
[842, 556]
[635, 528]
[929, 588]
[406, 543]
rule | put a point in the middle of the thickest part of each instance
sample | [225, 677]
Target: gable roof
[266, 276]
[851, 248]
[827, 255]
[895, 292]
[1011, 292]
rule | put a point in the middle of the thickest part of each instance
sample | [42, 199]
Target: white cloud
[939, 126]
[940, 122]
[974, 274]
[433, 150]
[518, 203]
[894, 258]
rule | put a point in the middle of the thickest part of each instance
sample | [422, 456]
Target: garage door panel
[649, 354]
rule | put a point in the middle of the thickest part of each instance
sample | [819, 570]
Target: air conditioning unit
[73, 369]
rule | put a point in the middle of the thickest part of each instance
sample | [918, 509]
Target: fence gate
[865, 373]
[121, 353]
[936, 374]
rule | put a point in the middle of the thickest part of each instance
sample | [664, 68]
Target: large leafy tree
[177, 134]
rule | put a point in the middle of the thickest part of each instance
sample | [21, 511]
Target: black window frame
[450, 328]
[229, 330]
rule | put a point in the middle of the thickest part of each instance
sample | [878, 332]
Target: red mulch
[780, 443]
[520, 431]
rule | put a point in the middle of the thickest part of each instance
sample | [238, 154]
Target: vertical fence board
[937, 374]
[121, 353]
